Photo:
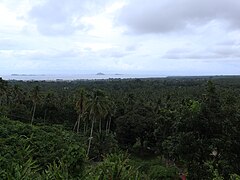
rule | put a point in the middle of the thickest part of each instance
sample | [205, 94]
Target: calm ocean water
[75, 77]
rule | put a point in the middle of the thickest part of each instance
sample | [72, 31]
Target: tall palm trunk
[107, 127]
[109, 124]
[33, 114]
[78, 123]
[84, 126]
[100, 125]
[75, 125]
[45, 114]
[35, 98]
[8, 99]
[1, 97]
[90, 138]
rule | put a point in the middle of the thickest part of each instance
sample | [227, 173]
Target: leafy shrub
[57, 171]
[160, 172]
[102, 144]
[115, 167]
[48, 144]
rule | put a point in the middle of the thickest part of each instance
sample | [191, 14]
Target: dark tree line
[193, 123]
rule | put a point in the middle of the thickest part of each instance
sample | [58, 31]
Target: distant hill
[100, 73]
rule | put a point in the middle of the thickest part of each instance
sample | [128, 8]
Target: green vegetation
[121, 129]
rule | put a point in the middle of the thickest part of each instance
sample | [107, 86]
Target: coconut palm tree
[3, 89]
[49, 103]
[80, 108]
[110, 113]
[35, 98]
[97, 108]
[18, 94]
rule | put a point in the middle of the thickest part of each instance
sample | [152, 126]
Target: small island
[27, 75]
[100, 73]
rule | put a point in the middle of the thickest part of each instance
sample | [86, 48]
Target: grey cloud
[42, 55]
[113, 53]
[229, 42]
[58, 17]
[117, 54]
[226, 52]
[154, 16]
[8, 44]
[53, 55]
[177, 53]
[17, 44]
[14, 44]
[131, 48]
[215, 53]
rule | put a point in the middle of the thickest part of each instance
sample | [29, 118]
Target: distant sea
[44, 77]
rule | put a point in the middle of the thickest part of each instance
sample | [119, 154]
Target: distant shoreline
[105, 77]
[75, 77]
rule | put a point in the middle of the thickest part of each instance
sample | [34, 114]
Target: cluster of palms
[3, 89]
[93, 107]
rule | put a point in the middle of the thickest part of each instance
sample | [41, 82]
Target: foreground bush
[115, 167]
[26, 149]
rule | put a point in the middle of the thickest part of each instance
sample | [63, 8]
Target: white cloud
[122, 36]
[60, 17]
[156, 16]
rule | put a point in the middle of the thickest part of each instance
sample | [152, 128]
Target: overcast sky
[165, 37]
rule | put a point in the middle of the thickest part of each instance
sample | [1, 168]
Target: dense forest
[159, 128]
